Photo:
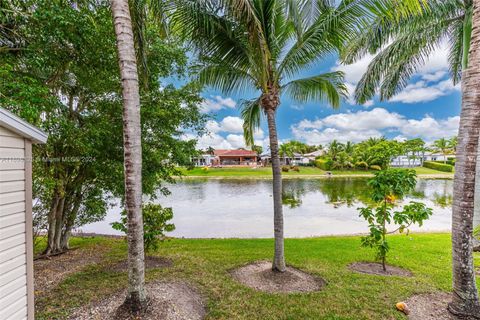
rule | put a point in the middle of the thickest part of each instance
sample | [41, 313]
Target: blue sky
[427, 108]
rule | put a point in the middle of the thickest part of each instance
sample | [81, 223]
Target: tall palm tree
[262, 46]
[465, 298]
[444, 146]
[334, 148]
[136, 296]
[403, 44]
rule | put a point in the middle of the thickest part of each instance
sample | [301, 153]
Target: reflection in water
[312, 207]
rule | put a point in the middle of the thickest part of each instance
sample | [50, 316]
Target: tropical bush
[388, 186]
[155, 224]
[362, 165]
[438, 166]
[285, 168]
[324, 164]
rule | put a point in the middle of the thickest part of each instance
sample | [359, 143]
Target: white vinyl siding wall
[13, 253]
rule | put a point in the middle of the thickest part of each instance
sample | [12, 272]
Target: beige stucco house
[16, 247]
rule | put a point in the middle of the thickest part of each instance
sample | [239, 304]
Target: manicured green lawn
[206, 264]
[304, 171]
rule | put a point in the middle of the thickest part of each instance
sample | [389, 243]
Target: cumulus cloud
[423, 91]
[226, 134]
[361, 125]
[215, 103]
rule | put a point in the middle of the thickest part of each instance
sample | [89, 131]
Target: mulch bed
[151, 262]
[430, 306]
[259, 276]
[377, 269]
[49, 272]
[166, 300]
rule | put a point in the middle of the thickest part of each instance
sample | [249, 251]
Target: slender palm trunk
[465, 295]
[136, 296]
[279, 257]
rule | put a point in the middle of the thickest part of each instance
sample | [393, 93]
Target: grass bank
[206, 264]
[304, 172]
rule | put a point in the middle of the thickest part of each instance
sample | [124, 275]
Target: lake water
[312, 207]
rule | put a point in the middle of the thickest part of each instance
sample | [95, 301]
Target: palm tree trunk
[476, 209]
[136, 296]
[465, 295]
[279, 257]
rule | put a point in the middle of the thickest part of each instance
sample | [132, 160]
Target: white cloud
[226, 134]
[215, 103]
[377, 118]
[361, 125]
[232, 124]
[297, 107]
[422, 91]
[431, 128]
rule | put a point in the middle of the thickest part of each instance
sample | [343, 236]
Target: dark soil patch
[259, 276]
[431, 306]
[49, 272]
[377, 269]
[151, 262]
[167, 301]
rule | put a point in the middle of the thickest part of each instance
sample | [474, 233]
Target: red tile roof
[235, 153]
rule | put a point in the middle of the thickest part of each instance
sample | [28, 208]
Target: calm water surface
[312, 207]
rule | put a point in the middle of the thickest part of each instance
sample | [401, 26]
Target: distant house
[237, 157]
[223, 157]
[413, 160]
[203, 160]
[295, 160]
[313, 155]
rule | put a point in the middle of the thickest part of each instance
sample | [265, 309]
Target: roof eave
[21, 127]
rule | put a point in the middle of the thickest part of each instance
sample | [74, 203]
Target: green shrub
[438, 166]
[375, 167]
[362, 165]
[285, 169]
[324, 164]
[155, 224]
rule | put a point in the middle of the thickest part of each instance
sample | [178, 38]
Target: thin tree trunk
[51, 225]
[465, 300]
[136, 296]
[279, 257]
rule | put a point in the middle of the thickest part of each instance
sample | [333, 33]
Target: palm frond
[226, 78]
[327, 87]
[251, 115]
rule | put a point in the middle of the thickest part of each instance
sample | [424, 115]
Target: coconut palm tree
[402, 44]
[136, 296]
[263, 46]
[444, 146]
[465, 298]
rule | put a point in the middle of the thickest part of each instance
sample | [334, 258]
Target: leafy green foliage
[155, 224]
[65, 79]
[324, 164]
[438, 166]
[387, 186]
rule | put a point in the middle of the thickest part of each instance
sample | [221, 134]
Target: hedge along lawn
[206, 264]
[266, 172]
